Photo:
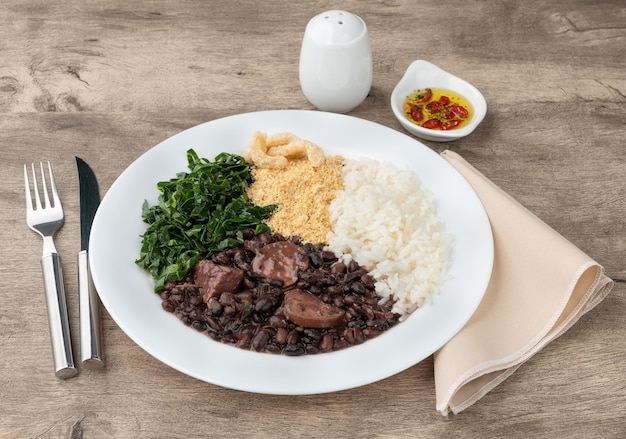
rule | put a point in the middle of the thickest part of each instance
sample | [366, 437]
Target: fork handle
[57, 316]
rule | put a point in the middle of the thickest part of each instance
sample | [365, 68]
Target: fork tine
[53, 186]
[36, 188]
[44, 184]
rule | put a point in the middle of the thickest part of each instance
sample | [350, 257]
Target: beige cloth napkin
[540, 286]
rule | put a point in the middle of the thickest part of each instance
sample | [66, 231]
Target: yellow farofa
[302, 185]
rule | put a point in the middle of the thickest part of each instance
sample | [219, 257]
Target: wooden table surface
[107, 80]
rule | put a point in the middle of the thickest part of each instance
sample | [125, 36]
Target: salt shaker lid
[336, 27]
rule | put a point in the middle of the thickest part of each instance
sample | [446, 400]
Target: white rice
[385, 221]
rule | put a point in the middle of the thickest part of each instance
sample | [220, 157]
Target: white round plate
[127, 291]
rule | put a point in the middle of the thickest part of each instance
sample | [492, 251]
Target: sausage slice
[280, 260]
[306, 310]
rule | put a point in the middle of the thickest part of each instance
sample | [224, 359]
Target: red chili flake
[415, 111]
[449, 113]
[450, 124]
[427, 96]
[432, 124]
[433, 107]
[459, 110]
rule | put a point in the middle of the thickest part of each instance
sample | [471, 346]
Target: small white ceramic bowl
[422, 74]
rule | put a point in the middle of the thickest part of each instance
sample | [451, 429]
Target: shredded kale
[199, 212]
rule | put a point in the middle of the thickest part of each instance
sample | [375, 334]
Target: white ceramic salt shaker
[336, 61]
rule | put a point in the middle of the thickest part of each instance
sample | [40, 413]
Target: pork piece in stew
[280, 296]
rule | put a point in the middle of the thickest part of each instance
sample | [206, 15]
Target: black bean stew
[280, 296]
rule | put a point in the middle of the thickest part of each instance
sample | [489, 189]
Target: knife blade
[89, 306]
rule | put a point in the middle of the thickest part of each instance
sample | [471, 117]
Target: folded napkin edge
[504, 367]
[575, 302]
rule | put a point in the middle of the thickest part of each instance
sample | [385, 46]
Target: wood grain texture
[107, 80]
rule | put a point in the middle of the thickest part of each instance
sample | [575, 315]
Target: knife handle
[57, 316]
[91, 352]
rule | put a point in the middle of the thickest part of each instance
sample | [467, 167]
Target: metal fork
[46, 219]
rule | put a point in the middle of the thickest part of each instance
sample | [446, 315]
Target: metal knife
[91, 352]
